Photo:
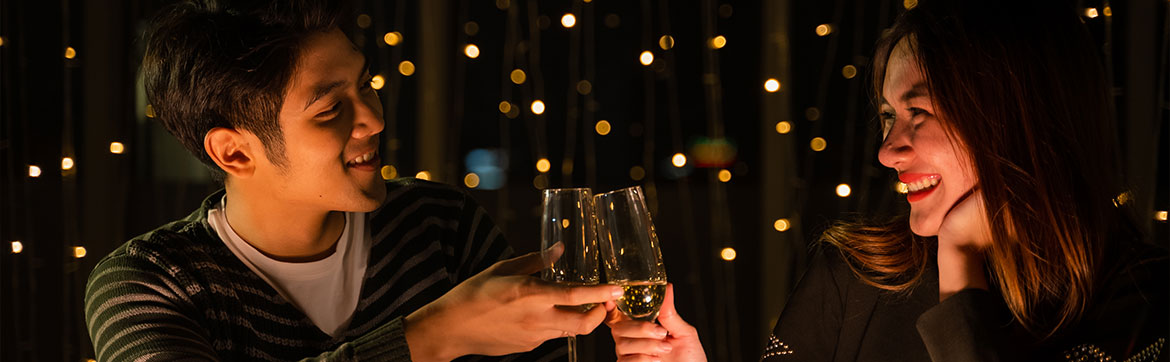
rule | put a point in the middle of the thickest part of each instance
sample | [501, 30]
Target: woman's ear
[231, 151]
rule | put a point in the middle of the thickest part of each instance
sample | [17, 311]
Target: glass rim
[621, 190]
[568, 189]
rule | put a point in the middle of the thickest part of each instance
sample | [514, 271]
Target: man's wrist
[425, 338]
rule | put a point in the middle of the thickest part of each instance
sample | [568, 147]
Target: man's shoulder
[166, 248]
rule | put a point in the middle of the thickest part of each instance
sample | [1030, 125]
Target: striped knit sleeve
[136, 312]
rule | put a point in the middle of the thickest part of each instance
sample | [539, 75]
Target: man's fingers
[565, 319]
[565, 295]
[669, 317]
[522, 265]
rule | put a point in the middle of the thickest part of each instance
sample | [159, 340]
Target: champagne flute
[568, 219]
[629, 247]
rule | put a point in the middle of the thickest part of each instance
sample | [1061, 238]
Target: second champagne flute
[568, 220]
[631, 253]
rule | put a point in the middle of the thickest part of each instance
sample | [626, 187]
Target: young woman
[997, 117]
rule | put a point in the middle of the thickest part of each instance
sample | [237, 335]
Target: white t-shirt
[326, 290]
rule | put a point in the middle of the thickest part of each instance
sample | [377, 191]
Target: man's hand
[637, 341]
[502, 310]
[962, 239]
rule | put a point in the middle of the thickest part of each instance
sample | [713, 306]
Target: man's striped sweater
[179, 293]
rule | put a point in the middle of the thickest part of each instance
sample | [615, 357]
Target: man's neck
[284, 232]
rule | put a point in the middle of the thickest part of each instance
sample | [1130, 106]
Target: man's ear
[230, 149]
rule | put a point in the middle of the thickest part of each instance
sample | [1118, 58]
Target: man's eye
[332, 110]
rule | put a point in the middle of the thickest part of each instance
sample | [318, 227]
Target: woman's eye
[887, 123]
[914, 112]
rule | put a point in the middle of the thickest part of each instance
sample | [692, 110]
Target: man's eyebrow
[918, 90]
[322, 89]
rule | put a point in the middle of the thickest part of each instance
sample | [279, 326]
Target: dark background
[691, 96]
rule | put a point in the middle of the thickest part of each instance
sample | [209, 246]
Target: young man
[307, 253]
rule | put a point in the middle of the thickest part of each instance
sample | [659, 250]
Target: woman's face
[935, 167]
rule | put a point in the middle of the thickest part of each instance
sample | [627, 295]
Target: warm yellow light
[724, 175]
[824, 29]
[1, 41]
[679, 160]
[70, 53]
[781, 225]
[1091, 12]
[909, 4]
[34, 171]
[149, 112]
[538, 107]
[1161, 215]
[646, 58]
[849, 71]
[1122, 198]
[389, 172]
[718, 42]
[378, 81]
[540, 182]
[66, 163]
[901, 187]
[783, 127]
[602, 127]
[502, 4]
[812, 113]
[518, 76]
[78, 252]
[818, 144]
[543, 165]
[637, 173]
[727, 254]
[843, 190]
[505, 107]
[423, 175]
[666, 42]
[471, 180]
[471, 51]
[406, 68]
[471, 28]
[1107, 11]
[568, 20]
[17, 247]
[771, 85]
[392, 38]
[117, 147]
[584, 87]
[363, 21]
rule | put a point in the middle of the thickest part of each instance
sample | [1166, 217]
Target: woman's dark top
[834, 316]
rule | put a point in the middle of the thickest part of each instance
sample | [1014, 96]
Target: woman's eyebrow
[918, 90]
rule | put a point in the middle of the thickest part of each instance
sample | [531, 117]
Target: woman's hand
[962, 240]
[637, 341]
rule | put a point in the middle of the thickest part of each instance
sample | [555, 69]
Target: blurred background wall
[748, 122]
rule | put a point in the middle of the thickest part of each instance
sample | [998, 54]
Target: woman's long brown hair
[1023, 89]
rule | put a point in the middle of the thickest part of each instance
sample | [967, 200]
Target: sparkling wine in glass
[630, 251]
[568, 223]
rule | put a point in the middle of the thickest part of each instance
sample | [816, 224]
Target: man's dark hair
[227, 64]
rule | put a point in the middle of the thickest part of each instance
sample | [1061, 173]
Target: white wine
[578, 308]
[641, 300]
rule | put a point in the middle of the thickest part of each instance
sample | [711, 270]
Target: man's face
[330, 121]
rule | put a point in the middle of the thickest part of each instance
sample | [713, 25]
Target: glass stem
[572, 348]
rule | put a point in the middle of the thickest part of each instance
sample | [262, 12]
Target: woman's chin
[922, 226]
